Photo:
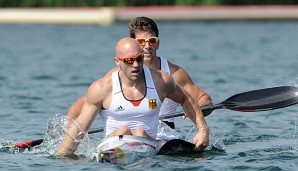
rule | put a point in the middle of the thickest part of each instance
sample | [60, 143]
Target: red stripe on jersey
[136, 103]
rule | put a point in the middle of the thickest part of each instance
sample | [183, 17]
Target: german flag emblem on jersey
[152, 103]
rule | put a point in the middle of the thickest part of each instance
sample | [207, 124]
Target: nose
[146, 44]
[136, 64]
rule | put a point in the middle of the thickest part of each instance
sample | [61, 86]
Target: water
[45, 68]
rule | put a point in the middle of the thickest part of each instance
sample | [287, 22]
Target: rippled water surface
[45, 68]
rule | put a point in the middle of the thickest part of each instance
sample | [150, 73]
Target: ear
[157, 45]
[117, 61]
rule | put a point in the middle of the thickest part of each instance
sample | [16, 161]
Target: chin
[133, 78]
[147, 58]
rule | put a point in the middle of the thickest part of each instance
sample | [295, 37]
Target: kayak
[126, 149]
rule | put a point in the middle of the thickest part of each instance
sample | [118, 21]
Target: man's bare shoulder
[173, 66]
[162, 78]
[180, 76]
[111, 71]
[100, 89]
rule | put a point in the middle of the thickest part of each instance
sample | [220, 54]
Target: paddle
[254, 101]
[32, 143]
[250, 101]
[176, 146]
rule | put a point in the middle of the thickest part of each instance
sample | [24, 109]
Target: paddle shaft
[181, 113]
[32, 143]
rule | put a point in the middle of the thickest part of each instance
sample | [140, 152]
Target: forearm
[71, 116]
[200, 96]
[75, 110]
[70, 141]
[194, 112]
[202, 137]
[205, 100]
[200, 121]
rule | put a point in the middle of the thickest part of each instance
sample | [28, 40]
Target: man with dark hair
[145, 31]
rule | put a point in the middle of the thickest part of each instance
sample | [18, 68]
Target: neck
[153, 63]
[128, 82]
[133, 89]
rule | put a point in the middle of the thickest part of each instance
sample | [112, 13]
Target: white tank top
[141, 113]
[168, 105]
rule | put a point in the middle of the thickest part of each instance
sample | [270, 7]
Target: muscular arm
[179, 95]
[76, 107]
[96, 95]
[182, 78]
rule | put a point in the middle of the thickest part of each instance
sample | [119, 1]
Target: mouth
[147, 53]
[135, 71]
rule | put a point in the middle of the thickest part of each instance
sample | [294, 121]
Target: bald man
[129, 100]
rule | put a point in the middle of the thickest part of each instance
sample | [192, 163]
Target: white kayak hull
[126, 149]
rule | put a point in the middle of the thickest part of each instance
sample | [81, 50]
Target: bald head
[127, 47]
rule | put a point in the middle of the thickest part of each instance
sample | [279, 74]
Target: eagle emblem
[152, 103]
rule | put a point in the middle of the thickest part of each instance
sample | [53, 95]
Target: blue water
[45, 68]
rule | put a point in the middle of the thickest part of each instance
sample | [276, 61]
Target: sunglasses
[139, 58]
[152, 41]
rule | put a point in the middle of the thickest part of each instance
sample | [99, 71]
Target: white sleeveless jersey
[141, 113]
[168, 105]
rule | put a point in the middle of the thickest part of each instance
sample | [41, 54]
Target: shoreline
[110, 15]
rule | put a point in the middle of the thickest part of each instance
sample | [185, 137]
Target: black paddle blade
[263, 99]
[176, 146]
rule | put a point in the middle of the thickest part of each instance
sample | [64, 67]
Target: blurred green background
[94, 3]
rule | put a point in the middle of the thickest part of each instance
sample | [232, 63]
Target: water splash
[167, 133]
[215, 142]
[295, 135]
[56, 128]
[293, 81]
[6, 146]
